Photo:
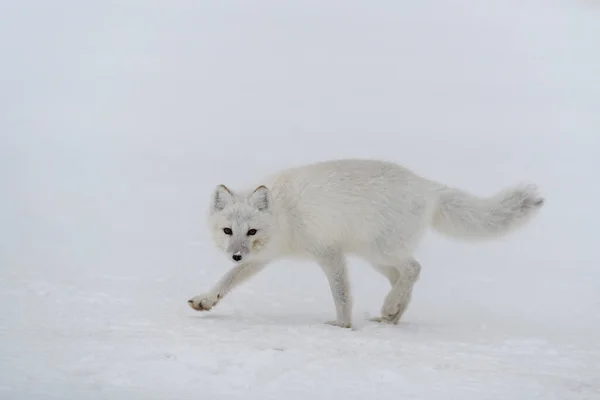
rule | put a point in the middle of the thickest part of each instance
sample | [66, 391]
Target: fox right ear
[221, 198]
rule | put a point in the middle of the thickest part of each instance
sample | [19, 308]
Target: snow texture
[118, 118]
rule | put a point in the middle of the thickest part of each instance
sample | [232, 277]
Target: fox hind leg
[391, 273]
[399, 297]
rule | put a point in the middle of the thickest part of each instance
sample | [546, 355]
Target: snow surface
[118, 118]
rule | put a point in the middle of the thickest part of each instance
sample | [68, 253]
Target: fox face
[241, 224]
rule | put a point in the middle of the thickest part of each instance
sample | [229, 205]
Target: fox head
[241, 224]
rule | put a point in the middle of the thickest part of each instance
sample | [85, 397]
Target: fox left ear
[260, 198]
[221, 198]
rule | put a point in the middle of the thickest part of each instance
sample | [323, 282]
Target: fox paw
[204, 302]
[391, 312]
[385, 320]
[339, 324]
[389, 315]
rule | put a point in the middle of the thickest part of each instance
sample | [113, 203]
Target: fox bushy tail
[465, 216]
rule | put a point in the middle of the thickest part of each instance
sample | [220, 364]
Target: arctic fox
[376, 210]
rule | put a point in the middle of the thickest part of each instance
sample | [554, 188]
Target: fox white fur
[376, 210]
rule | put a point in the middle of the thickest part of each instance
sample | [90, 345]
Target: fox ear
[260, 198]
[221, 198]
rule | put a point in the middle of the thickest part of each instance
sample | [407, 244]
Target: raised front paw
[204, 302]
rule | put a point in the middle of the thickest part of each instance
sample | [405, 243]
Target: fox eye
[227, 231]
[251, 232]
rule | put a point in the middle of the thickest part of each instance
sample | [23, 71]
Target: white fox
[376, 210]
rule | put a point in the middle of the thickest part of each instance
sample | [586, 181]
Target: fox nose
[236, 257]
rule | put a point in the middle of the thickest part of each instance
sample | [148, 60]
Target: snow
[117, 120]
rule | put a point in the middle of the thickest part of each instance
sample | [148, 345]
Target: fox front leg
[234, 277]
[334, 266]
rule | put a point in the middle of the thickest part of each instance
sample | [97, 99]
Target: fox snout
[238, 251]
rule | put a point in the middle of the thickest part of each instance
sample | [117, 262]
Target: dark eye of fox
[252, 232]
[227, 231]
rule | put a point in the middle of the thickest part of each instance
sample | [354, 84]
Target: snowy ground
[117, 120]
